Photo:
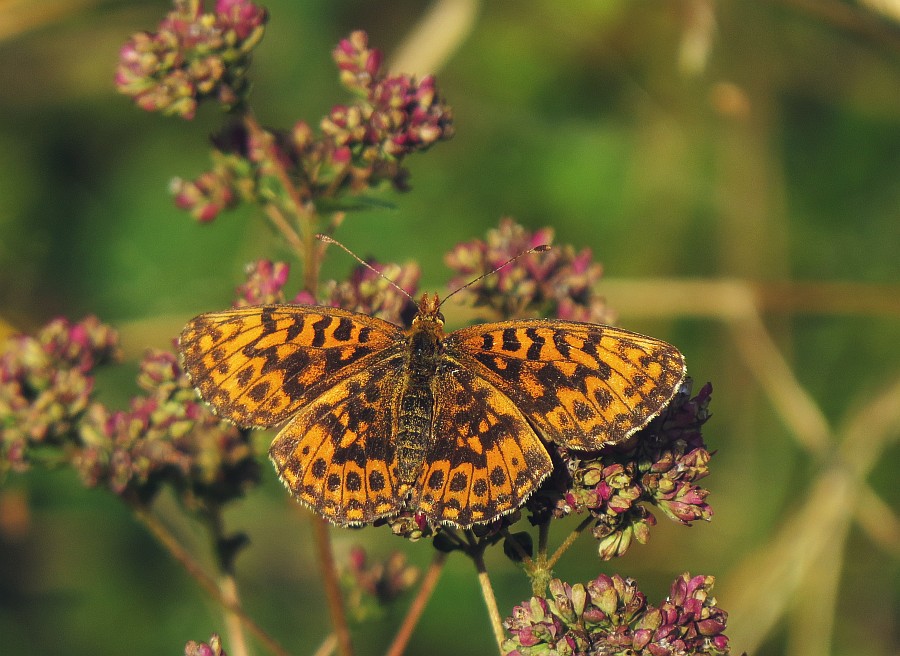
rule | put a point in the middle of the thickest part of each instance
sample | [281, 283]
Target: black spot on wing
[344, 329]
[259, 391]
[458, 482]
[295, 329]
[537, 341]
[354, 481]
[319, 331]
[436, 480]
[511, 340]
[376, 481]
[559, 341]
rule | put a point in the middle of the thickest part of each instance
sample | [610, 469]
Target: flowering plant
[305, 180]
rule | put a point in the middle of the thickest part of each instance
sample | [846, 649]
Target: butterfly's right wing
[338, 456]
[584, 385]
[259, 365]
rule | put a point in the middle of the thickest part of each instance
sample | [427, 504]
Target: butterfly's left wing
[583, 385]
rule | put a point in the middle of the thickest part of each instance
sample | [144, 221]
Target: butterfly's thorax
[416, 407]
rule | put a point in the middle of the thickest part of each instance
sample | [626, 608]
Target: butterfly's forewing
[485, 459]
[338, 455]
[259, 365]
[583, 385]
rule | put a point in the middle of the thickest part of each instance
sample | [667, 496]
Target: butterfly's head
[429, 310]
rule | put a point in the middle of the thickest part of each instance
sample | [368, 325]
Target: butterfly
[382, 419]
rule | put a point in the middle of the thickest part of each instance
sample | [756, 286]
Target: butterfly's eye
[440, 317]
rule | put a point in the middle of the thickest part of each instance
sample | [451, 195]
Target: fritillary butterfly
[384, 419]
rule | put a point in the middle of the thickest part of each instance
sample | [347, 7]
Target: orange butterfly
[383, 419]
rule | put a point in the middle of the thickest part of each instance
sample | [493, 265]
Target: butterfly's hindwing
[485, 458]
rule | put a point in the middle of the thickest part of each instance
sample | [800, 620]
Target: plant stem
[418, 605]
[487, 591]
[327, 646]
[180, 554]
[227, 584]
[332, 586]
[290, 235]
[300, 243]
[543, 538]
[569, 541]
[237, 640]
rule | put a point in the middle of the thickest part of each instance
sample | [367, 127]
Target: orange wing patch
[583, 385]
[259, 365]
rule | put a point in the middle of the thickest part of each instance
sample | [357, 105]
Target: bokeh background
[734, 165]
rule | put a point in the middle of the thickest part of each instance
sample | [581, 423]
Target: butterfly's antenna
[329, 240]
[543, 248]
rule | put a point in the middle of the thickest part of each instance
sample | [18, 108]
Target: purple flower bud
[241, 16]
[214, 648]
[265, 284]
[358, 64]
[370, 293]
[711, 626]
[614, 619]
[603, 594]
[550, 282]
[192, 57]
[205, 197]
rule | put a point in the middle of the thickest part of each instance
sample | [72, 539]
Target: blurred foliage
[749, 140]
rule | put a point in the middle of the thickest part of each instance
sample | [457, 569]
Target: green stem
[227, 584]
[543, 538]
[209, 585]
[569, 541]
[327, 647]
[299, 242]
[290, 235]
[476, 553]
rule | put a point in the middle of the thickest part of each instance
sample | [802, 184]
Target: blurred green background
[720, 158]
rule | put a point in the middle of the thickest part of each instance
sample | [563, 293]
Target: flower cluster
[377, 295]
[214, 191]
[372, 586]
[213, 648]
[46, 383]
[194, 56]
[364, 291]
[398, 115]
[659, 467]
[609, 615]
[559, 282]
[359, 145]
[167, 436]
[265, 283]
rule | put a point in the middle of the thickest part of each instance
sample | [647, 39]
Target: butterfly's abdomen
[416, 403]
